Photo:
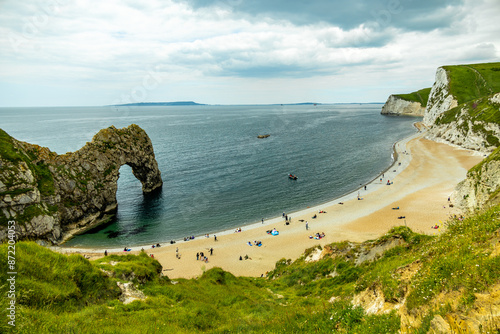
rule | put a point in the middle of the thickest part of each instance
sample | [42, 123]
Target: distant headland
[159, 104]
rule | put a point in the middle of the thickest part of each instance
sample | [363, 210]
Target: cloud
[423, 15]
[107, 49]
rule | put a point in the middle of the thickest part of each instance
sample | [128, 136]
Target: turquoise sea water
[217, 174]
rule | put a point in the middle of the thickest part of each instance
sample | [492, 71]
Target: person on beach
[211, 251]
[105, 253]
[262, 220]
[197, 256]
[215, 237]
[307, 225]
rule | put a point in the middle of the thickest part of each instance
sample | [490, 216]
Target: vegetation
[420, 96]
[471, 82]
[69, 294]
[40, 170]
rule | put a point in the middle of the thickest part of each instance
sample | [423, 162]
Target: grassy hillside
[421, 96]
[430, 276]
[471, 82]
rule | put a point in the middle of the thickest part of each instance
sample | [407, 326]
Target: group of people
[256, 243]
[317, 236]
[189, 238]
[201, 256]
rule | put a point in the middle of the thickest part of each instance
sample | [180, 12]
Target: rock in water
[53, 197]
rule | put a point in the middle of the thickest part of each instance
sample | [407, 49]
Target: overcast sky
[86, 52]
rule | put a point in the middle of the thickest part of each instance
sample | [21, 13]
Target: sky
[95, 52]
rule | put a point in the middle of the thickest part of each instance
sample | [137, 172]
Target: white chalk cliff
[440, 99]
[396, 106]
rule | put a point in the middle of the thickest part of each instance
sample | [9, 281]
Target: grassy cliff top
[470, 82]
[420, 96]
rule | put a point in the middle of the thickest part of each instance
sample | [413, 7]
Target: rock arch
[58, 196]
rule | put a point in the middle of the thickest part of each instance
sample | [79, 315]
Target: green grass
[471, 82]
[420, 96]
[69, 294]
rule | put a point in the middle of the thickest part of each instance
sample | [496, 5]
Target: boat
[292, 177]
[263, 136]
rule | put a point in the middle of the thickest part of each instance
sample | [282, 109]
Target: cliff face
[52, 197]
[464, 125]
[473, 124]
[395, 105]
[481, 188]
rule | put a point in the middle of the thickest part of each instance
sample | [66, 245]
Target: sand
[423, 177]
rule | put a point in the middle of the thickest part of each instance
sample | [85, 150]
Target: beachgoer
[215, 237]
[105, 253]
[262, 220]
[307, 225]
[197, 256]
[211, 251]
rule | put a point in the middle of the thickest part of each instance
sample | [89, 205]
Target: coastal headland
[414, 192]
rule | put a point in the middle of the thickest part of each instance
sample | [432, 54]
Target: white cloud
[108, 48]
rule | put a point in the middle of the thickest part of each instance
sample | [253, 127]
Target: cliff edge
[412, 104]
[53, 197]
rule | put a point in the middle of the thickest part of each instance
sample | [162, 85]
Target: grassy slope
[421, 96]
[68, 294]
[471, 82]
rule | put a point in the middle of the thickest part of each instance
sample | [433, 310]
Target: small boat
[292, 177]
[263, 136]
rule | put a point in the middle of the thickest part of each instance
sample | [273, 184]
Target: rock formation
[440, 99]
[463, 128]
[398, 106]
[472, 124]
[482, 185]
[52, 197]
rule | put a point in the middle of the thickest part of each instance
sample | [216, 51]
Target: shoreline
[422, 178]
[345, 197]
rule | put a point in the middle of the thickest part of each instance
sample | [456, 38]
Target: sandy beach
[421, 180]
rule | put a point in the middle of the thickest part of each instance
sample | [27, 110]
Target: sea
[217, 174]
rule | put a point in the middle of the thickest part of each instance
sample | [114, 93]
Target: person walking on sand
[215, 237]
[307, 225]
[197, 256]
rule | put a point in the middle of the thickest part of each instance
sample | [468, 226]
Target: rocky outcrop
[464, 127]
[52, 197]
[482, 185]
[440, 99]
[397, 106]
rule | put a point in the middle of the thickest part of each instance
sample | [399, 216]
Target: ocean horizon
[217, 174]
